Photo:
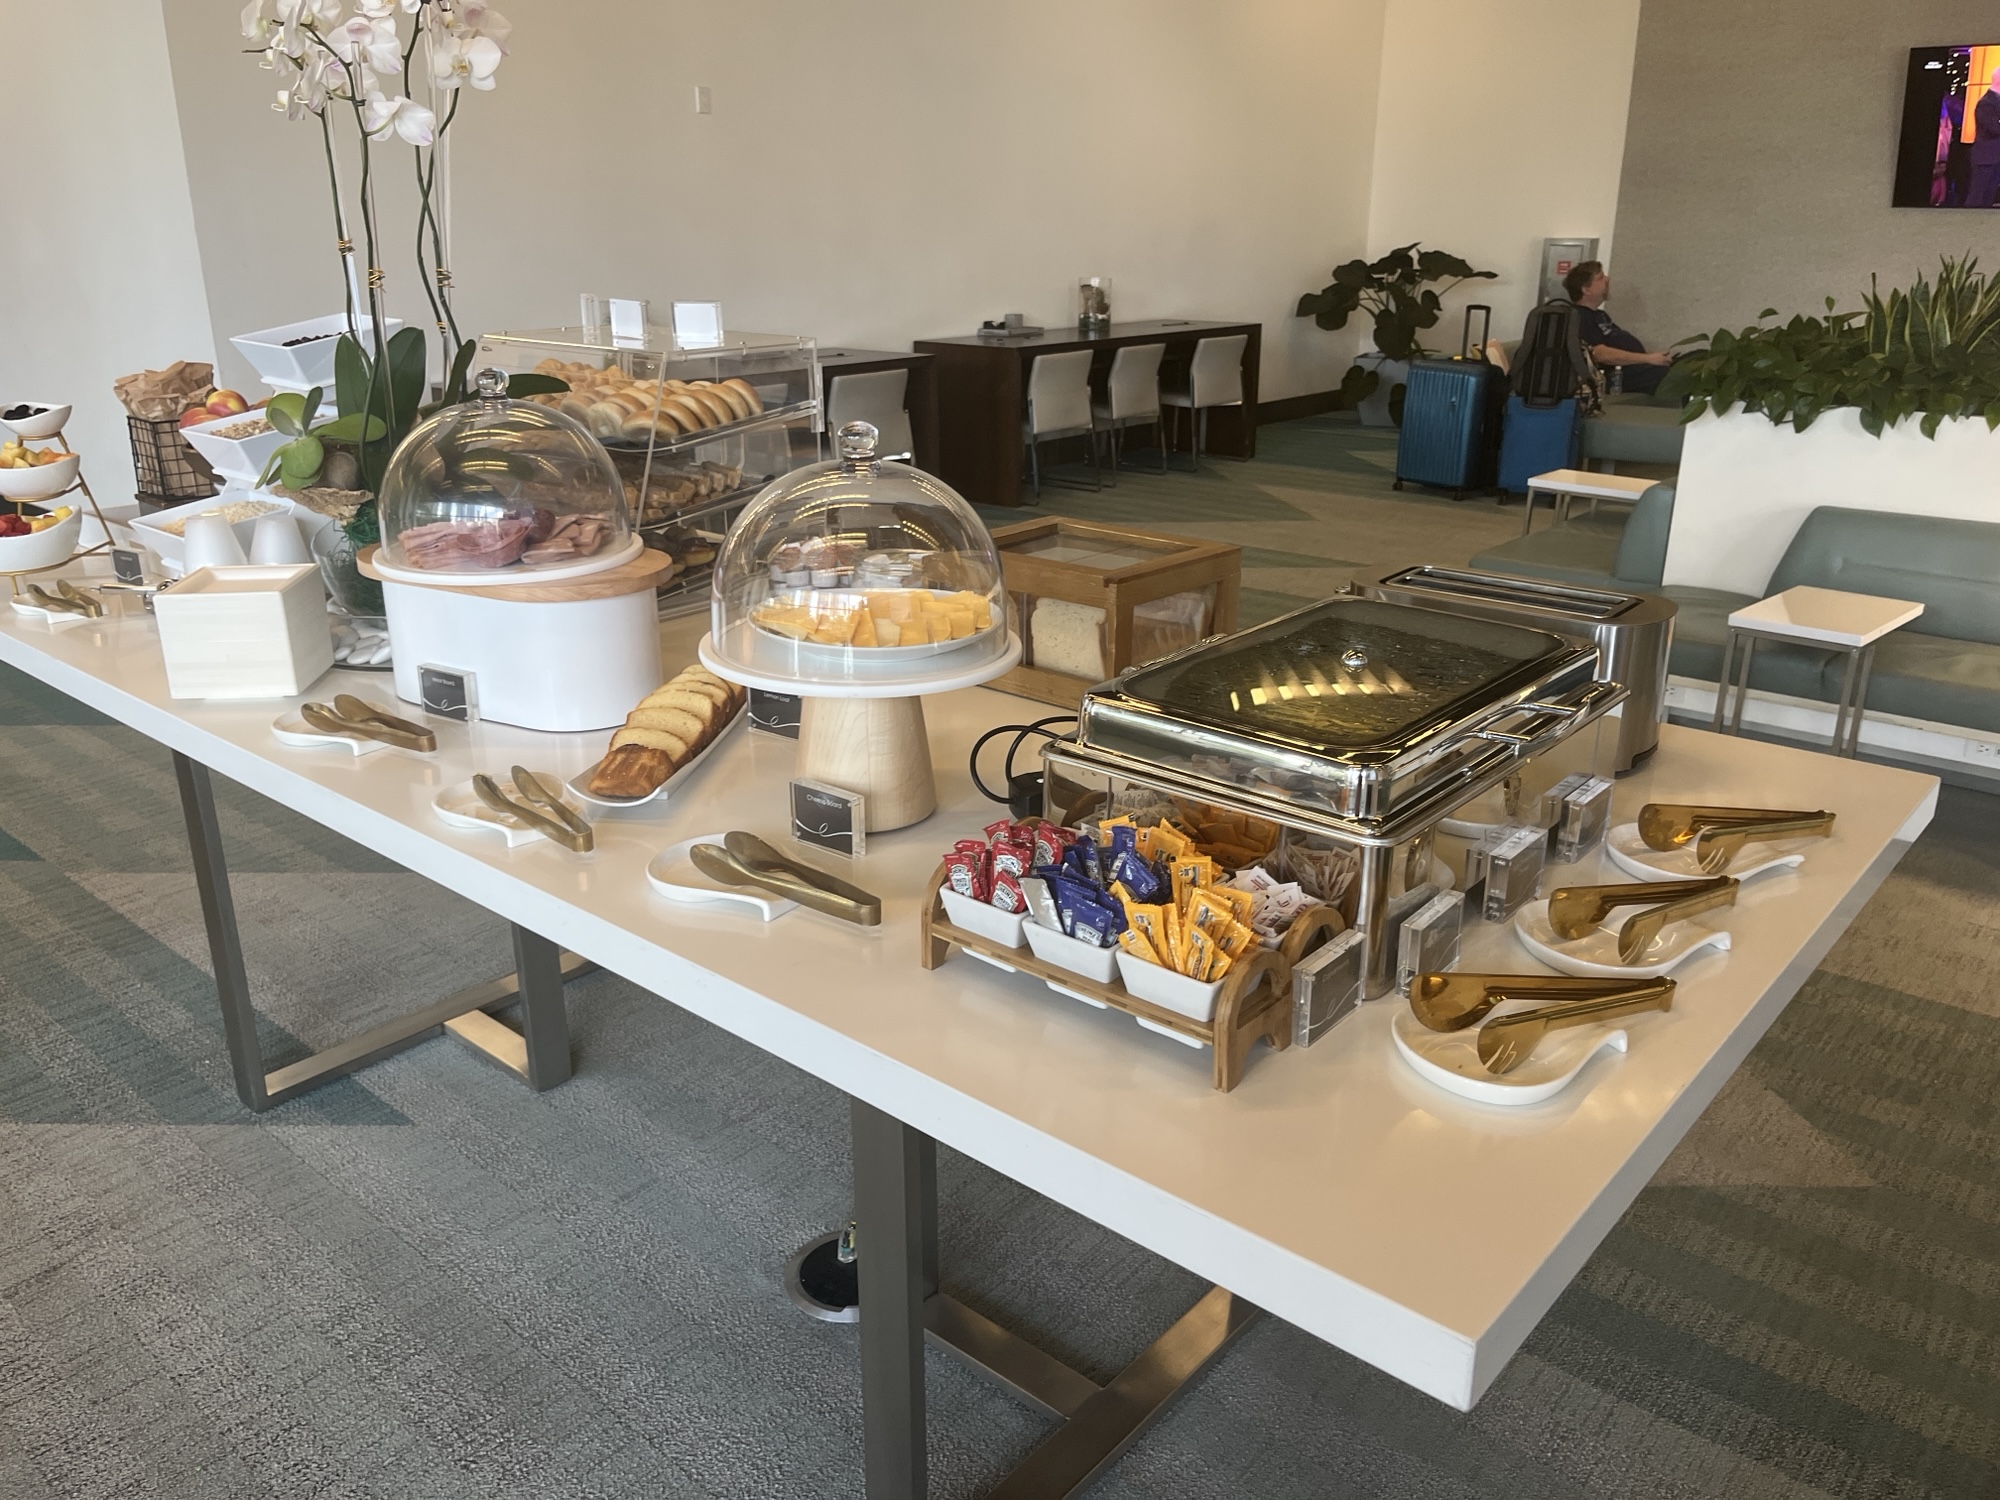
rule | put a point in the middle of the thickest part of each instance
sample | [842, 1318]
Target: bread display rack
[859, 586]
[1255, 1001]
[694, 433]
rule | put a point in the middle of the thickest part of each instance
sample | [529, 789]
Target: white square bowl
[1074, 954]
[251, 632]
[1167, 989]
[302, 366]
[982, 920]
[235, 458]
[169, 548]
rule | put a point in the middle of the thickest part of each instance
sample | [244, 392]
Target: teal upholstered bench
[1945, 669]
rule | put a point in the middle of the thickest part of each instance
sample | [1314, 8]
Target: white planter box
[1074, 954]
[984, 920]
[1374, 412]
[300, 367]
[1168, 989]
[1746, 486]
[248, 632]
[241, 459]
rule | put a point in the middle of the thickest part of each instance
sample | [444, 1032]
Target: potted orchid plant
[394, 72]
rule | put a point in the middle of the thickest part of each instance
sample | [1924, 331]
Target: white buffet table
[1334, 1188]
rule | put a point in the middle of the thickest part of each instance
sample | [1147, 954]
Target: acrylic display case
[693, 434]
[495, 491]
[1090, 601]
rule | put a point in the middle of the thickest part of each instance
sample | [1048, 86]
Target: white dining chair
[877, 398]
[1215, 378]
[1131, 395]
[1058, 407]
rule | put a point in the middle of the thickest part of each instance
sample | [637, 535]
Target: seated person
[1588, 286]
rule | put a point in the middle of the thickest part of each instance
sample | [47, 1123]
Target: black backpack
[1552, 365]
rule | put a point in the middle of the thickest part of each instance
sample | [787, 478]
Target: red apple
[226, 404]
[196, 414]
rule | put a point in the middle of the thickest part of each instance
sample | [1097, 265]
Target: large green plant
[1403, 294]
[1930, 351]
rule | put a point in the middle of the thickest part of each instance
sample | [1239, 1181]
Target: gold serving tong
[68, 599]
[358, 719]
[1719, 833]
[745, 859]
[538, 807]
[1457, 1000]
[1504, 1043]
[1575, 909]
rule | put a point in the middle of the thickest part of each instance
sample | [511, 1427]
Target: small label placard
[449, 692]
[128, 566]
[774, 713]
[829, 817]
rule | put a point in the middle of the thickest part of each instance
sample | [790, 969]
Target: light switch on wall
[701, 99]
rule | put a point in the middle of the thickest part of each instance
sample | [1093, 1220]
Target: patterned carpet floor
[428, 1282]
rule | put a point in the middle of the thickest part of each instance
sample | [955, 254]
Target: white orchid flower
[409, 119]
[456, 60]
[477, 18]
[372, 43]
[256, 21]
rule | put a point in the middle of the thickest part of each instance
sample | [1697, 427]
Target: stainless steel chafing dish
[1354, 728]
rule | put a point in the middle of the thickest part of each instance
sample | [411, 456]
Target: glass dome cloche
[855, 571]
[493, 490]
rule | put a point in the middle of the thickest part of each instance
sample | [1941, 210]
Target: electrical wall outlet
[701, 99]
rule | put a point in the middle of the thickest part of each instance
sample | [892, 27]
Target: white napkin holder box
[245, 632]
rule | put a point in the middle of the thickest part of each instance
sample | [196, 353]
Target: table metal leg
[539, 1053]
[889, 1201]
[895, 1192]
[1841, 707]
[1742, 684]
[1855, 706]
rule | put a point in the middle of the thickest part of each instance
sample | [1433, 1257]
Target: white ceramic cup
[209, 541]
[277, 541]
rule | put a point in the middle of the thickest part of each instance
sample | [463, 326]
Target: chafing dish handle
[1546, 719]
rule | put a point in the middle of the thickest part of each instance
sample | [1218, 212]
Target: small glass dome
[856, 569]
[498, 487]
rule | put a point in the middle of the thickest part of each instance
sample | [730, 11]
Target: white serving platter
[1450, 1059]
[1595, 955]
[829, 601]
[1632, 855]
[674, 876]
[579, 784]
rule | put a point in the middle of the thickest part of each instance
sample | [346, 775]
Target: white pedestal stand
[863, 731]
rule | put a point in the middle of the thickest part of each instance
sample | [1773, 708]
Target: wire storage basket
[165, 463]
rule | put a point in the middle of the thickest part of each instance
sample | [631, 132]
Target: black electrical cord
[1020, 733]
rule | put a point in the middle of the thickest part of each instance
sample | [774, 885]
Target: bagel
[747, 391]
[738, 407]
[606, 419]
[691, 416]
[721, 411]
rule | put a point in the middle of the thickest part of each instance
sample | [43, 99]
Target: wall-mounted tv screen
[1950, 152]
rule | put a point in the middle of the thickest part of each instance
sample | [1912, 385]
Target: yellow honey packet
[1104, 829]
[1219, 964]
[1199, 953]
[1151, 921]
[1135, 942]
[1176, 934]
[1171, 841]
[1241, 903]
[1208, 911]
[1236, 939]
[1191, 873]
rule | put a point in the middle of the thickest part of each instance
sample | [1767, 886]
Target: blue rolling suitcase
[1449, 406]
[1536, 439]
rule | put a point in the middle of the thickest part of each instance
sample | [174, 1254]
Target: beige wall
[99, 274]
[1500, 125]
[1760, 156]
[873, 172]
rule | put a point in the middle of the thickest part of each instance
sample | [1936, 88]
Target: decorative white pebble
[381, 655]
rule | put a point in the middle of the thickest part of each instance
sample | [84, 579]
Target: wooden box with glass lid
[695, 433]
[1093, 600]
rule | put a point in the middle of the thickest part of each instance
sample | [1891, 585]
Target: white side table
[1818, 617]
[1565, 485]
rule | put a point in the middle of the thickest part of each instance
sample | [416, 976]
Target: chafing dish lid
[1346, 675]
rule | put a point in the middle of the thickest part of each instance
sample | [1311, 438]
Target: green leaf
[1351, 273]
[1772, 312]
[286, 411]
[311, 408]
[534, 383]
[351, 366]
[408, 379]
[347, 429]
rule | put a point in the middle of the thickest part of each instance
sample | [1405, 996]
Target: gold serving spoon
[538, 791]
[1668, 826]
[856, 906]
[1504, 1044]
[488, 791]
[1457, 1000]
[1574, 910]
